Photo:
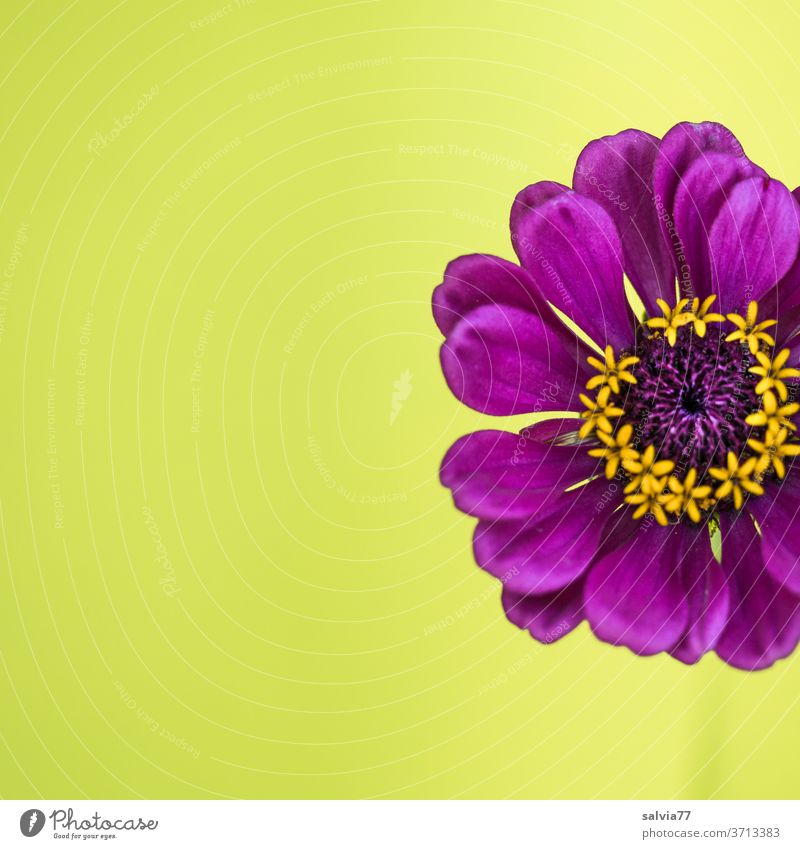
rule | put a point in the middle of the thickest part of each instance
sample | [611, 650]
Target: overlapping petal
[494, 474]
[634, 594]
[571, 248]
[763, 624]
[733, 231]
[529, 199]
[547, 617]
[753, 242]
[550, 549]
[679, 149]
[476, 280]
[764, 620]
[783, 301]
[617, 172]
[504, 360]
[706, 593]
[703, 190]
[777, 519]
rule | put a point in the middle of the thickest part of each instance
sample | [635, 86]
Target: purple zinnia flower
[659, 501]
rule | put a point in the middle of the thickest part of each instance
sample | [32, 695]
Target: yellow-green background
[260, 239]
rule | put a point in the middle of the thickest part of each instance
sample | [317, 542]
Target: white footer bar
[401, 824]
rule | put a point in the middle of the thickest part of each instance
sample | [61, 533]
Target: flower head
[684, 426]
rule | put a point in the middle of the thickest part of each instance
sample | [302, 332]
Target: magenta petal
[753, 242]
[764, 621]
[571, 248]
[634, 595]
[478, 279]
[529, 198]
[679, 148]
[786, 334]
[550, 550]
[617, 171]
[706, 593]
[498, 475]
[547, 617]
[504, 361]
[778, 513]
[558, 431]
[699, 197]
[782, 302]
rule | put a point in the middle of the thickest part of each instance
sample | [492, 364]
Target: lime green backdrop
[228, 568]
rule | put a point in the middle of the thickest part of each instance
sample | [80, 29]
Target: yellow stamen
[647, 473]
[701, 317]
[748, 331]
[707, 503]
[652, 503]
[671, 320]
[772, 415]
[686, 497]
[773, 373]
[772, 451]
[617, 449]
[736, 478]
[598, 413]
[611, 371]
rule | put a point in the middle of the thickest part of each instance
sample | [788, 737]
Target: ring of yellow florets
[651, 484]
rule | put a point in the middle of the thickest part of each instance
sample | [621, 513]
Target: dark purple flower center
[690, 401]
